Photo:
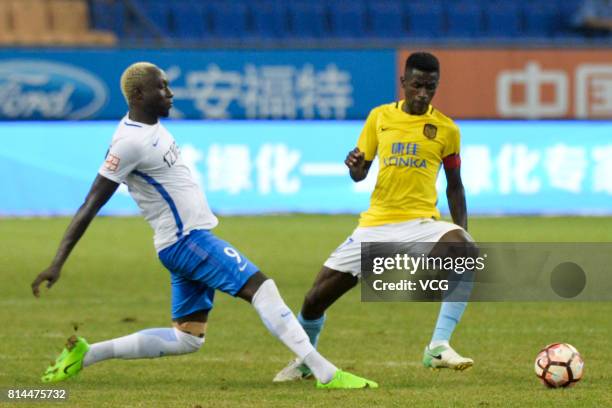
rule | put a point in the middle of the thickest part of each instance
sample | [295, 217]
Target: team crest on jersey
[430, 131]
[112, 162]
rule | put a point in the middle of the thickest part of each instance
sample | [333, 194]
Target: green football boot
[69, 363]
[346, 380]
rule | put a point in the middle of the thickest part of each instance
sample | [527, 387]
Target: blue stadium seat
[158, 11]
[302, 20]
[504, 20]
[542, 19]
[348, 18]
[229, 19]
[189, 20]
[568, 10]
[108, 15]
[270, 18]
[465, 19]
[308, 19]
[157, 20]
[386, 19]
[425, 18]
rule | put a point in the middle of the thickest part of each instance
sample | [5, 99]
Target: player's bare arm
[357, 164]
[455, 194]
[100, 192]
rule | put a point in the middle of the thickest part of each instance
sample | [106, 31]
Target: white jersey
[147, 159]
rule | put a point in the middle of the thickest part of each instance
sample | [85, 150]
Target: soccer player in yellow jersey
[412, 139]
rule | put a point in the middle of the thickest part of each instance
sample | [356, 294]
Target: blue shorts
[200, 263]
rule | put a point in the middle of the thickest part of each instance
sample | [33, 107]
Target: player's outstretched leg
[280, 321]
[439, 353]
[150, 343]
[328, 286]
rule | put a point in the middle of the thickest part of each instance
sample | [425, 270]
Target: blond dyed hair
[133, 76]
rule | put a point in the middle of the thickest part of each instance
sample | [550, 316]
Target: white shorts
[347, 257]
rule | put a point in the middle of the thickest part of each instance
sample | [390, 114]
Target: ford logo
[37, 89]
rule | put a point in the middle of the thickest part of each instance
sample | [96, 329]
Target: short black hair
[423, 61]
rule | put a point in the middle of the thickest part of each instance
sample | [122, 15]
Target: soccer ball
[559, 365]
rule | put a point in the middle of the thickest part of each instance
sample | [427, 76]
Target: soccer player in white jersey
[144, 155]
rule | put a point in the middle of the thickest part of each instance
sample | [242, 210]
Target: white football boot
[445, 357]
[294, 371]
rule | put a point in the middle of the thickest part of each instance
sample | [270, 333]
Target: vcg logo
[36, 89]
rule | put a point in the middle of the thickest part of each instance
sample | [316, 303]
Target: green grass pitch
[114, 285]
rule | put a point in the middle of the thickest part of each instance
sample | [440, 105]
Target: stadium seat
[465, 19]
[386, 19]
[425, 19]
[542, 19]
[504, 20]
[568, 10]
[348, 19]
[31, 22]
[270, 18]
[158, 12]
[7, 35]
[108, 15]
[304, 20]
[189, 20]
[229, 19]
[70, 24]
[308, 19]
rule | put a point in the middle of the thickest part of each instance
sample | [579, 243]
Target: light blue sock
[453, 307]
[312, 328]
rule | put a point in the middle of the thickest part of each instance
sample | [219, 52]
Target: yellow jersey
[410, 150]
